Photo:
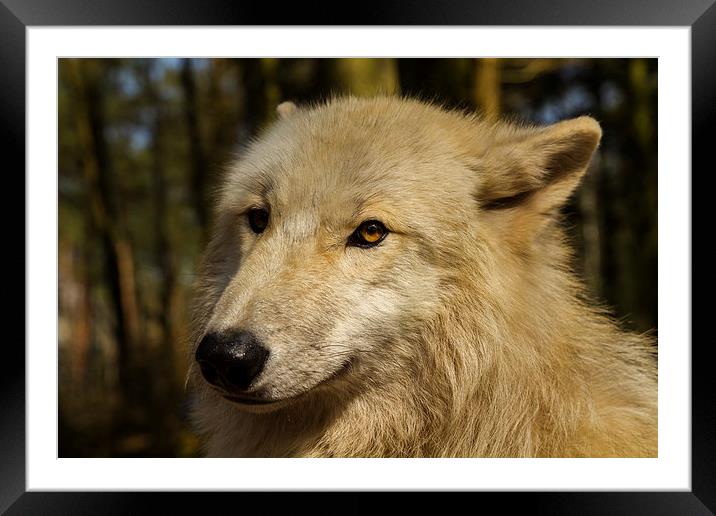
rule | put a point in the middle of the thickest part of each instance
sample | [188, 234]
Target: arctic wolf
[388, 278]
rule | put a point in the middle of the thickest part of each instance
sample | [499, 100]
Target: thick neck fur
[553, 378]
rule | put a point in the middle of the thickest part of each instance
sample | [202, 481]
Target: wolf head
[350, 234]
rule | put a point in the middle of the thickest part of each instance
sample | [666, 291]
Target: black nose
[231, 360]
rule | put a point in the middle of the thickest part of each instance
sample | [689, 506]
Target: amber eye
[258, 219]
[368, 234]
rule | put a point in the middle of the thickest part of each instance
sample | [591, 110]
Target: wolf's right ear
[541, 165]
[286, 109]
[527, 174]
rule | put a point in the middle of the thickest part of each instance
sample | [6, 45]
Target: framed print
[144, 127]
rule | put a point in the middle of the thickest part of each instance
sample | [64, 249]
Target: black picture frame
[17, 15]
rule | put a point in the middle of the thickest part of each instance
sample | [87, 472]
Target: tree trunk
[256, 94]
[197, 159]
[117, 251]
[165, 379]
[163, 249]
[488, 87]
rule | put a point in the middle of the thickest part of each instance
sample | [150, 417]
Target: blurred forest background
[142, 142]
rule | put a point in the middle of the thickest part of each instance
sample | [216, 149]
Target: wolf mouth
[252, 401]
[267, 402]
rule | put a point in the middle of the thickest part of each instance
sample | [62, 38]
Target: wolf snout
[232, 360]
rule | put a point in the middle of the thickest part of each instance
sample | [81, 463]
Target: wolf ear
[286, 109]
[536, 170]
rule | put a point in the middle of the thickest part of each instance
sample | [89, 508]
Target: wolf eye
[258, 219]
[368, 234]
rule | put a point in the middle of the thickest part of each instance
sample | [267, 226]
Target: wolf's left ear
[536, 170]
[286, 109]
